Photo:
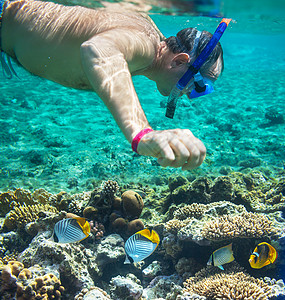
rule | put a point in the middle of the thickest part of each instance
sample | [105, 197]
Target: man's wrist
[138, 137]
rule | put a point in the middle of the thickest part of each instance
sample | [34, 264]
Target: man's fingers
[182, 154]
[175, 148]
[198, 154]
[166, 156]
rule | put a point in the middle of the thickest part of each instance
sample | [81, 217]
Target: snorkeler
[101, 50]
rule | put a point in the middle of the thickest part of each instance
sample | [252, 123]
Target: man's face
[169, 78]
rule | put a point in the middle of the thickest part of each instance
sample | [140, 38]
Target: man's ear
[179, 59]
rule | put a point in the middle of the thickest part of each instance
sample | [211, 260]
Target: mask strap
[196, 42]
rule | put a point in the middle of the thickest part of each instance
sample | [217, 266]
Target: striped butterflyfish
[141, 245]
[263, 255]
[221, 256]
[71, 230]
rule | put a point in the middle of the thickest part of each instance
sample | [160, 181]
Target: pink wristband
[138, 137]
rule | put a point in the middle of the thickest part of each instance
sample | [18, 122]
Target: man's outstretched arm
[107, 60]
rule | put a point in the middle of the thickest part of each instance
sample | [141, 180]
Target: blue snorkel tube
[194, 69]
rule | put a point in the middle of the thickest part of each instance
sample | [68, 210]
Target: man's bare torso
[46, 37]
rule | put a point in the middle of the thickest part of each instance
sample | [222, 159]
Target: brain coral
[245, 225]
[227, 285]
[20, 216]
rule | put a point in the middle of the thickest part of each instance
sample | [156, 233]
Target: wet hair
[184, 42]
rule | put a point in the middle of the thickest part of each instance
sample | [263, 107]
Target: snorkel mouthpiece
[193, 70]
[201, 91]
[202, 87]
[172, 101]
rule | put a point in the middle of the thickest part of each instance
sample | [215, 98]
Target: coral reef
[127, 287]
[92, 293]
[245, 225]
[20, 216]
[152, 270]
[176, 181]
[192, 216]
[71, 203]
[172, 245]
[219, 221]
[97, 230]
[256, 192]
[109, 188]
[28, 283]
[90, 212]
[132, 204]
[163, 287]
[21, 197]
[126, 211]
[79, 266]
[230, 284]
[10, 244]
[187, 267]
[194, 210]
[191, 227]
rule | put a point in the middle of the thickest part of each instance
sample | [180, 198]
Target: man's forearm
[111, 80]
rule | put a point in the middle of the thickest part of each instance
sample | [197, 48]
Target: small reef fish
[221, 256]
[141, 193]
[263, 255]
[71, 230]
[141, 245]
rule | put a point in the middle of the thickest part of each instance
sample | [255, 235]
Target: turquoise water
[62, 138]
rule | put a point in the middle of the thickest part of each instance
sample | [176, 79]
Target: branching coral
[20, 197]
[245, 225]
[41, 196]
[109, 188]
[97, 230]
[20, 216]
[183, 215]
[17, 196]
[189, 211]
[228, 285]
[174, 225]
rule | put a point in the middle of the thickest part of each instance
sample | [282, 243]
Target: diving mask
[202, 86]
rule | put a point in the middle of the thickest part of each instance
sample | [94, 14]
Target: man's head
[183, 42]
[201, 57]
[176, 54]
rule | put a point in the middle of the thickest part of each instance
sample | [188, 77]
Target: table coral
[20, 216]
[233, 283]
[245, 225]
